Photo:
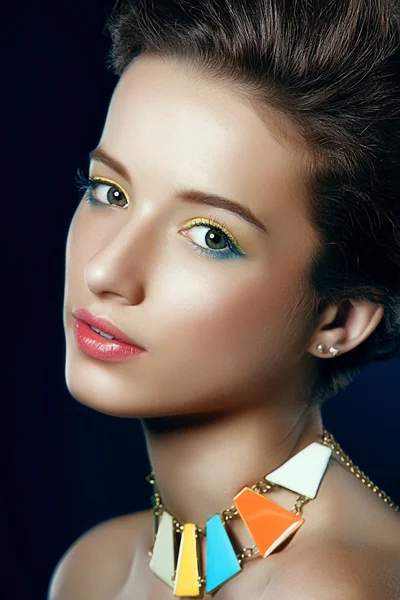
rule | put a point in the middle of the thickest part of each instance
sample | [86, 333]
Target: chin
[93, 384]
[90, 384]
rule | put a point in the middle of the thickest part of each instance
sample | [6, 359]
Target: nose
[118, 268]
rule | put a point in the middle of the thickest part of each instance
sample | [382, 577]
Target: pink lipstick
[101, 339]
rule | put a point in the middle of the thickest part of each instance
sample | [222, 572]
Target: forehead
[179, 105]
[169, 120]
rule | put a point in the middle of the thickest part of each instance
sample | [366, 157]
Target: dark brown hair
[332, 67]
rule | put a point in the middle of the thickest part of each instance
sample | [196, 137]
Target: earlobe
[343, 327]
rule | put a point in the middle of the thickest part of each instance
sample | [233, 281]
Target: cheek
[224, 317]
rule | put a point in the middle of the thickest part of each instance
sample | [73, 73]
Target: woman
[234, 262]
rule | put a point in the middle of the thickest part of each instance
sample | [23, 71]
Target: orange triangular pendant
[269, 523]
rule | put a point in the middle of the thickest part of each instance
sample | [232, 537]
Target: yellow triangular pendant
[187, 571]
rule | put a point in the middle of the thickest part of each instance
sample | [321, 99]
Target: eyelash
[87, 185]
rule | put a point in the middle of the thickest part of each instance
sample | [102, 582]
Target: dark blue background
[64, 467]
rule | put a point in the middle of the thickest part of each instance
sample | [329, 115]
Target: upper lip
[104, 325]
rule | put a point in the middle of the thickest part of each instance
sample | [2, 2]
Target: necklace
[268, 522]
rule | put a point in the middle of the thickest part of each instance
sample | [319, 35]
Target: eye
[213, 239]
[105, 191]
[101, 191]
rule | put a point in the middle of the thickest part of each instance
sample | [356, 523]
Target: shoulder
[97, 564]
[342, 569]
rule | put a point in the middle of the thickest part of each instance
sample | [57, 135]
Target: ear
[344, 326]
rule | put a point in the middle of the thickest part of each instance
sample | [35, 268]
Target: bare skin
[222, 390]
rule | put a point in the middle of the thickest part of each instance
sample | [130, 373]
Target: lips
[105, 326]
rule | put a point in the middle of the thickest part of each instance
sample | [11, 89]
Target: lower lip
[97, 346]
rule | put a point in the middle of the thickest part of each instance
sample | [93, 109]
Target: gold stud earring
[321, 348]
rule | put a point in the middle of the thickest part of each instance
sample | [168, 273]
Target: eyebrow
[99, 155]
[190, 195]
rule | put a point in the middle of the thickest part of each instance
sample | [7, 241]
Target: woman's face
[217, 313]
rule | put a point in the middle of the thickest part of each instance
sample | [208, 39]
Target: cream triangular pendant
[304, 471]
[162, 562]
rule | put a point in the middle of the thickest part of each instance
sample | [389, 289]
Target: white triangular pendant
[303, 472]
[162, 562]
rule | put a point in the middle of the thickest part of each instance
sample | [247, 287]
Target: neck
[200, 464]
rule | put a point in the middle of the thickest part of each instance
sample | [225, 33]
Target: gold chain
[264, 486]
[330, 441]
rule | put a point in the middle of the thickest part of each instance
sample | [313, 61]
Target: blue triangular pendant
[221, 560]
